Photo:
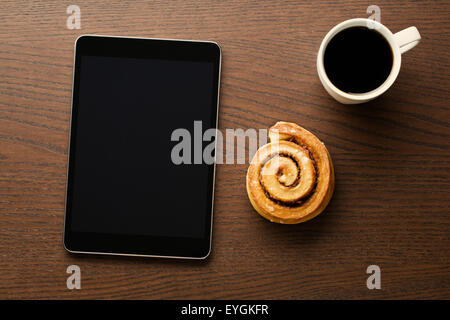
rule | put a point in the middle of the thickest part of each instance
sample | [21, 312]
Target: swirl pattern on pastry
[291, 179]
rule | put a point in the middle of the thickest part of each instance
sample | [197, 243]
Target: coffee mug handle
[407, 38]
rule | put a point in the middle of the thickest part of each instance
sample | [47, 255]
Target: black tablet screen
[123, 178]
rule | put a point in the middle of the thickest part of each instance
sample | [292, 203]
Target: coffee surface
[358, 60]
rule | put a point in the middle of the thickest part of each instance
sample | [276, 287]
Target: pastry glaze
[291, 179]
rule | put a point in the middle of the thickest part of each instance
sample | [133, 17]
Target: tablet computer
[126, 194]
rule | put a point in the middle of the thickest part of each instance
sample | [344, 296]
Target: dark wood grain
[391, 156]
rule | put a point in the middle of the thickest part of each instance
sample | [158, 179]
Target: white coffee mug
[400, 42]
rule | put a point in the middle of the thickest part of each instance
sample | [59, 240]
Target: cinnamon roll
[291, 179]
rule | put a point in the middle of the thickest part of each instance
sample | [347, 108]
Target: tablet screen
[123, 181]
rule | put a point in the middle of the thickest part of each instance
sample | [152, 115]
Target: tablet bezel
[139, 245]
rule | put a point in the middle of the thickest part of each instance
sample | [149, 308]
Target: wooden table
[392, 156]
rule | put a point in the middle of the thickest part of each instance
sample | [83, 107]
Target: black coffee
[358, 60]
